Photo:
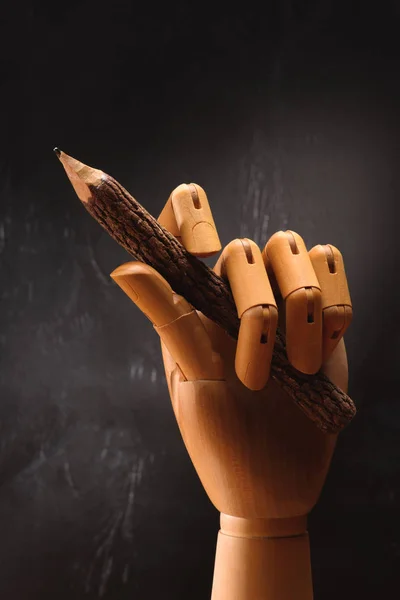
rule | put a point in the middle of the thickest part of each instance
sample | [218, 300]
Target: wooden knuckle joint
[328, 265]
[242, 264]
[290, 262]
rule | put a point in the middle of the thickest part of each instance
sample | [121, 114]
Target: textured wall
[288, 119]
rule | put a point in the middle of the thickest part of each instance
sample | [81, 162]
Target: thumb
[174, 319]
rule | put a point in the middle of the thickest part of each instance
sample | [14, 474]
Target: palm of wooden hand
[257, 455]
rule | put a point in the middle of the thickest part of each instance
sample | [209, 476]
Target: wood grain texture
[146, 240]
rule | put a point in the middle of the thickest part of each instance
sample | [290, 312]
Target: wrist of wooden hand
[263, 528]
[262, 559]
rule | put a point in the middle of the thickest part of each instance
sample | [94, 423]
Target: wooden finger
[187, 215]
[300, 290]
[174, 319]
[242, 265]
[336, 303]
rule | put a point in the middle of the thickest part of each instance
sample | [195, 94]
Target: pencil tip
[80, 175]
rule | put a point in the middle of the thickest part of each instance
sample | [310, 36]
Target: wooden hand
[262, 462]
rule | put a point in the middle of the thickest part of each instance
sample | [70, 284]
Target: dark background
[288, 116]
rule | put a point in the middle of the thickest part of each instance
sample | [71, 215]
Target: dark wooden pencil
[146, 240]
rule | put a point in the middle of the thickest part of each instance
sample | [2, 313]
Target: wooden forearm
[146, 240]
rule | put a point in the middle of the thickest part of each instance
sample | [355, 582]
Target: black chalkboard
[289, 118]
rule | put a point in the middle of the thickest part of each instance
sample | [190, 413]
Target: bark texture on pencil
[146, 240]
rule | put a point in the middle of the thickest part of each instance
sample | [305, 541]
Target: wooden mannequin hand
[255, 452]
[262, 462]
